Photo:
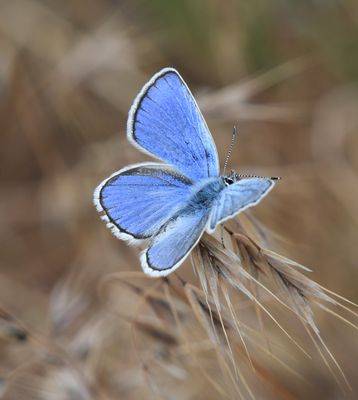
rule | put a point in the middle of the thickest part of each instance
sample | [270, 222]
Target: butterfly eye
[228, 180]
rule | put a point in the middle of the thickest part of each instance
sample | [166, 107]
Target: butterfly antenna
[233, 139]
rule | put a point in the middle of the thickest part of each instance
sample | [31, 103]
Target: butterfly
[169, 205]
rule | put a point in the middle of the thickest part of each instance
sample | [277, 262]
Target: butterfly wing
[138, 199]
[173, 243]
[165, 121]
[237, 197]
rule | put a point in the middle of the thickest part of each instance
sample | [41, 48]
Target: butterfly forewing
[166, 122]
[138, 199]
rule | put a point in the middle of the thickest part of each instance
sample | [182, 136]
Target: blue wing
[138, 199]
[237, 197]
[173, 243]
[166, 122]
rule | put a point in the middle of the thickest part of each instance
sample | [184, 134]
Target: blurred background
[284, 72]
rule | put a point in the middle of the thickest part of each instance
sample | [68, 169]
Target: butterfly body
[204, 194]
[168, 205]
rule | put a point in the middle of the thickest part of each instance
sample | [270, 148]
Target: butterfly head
[231, 178]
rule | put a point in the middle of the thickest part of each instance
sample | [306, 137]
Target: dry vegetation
[78, 320]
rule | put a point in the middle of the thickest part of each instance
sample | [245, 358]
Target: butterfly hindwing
[237, 197]
[138, 199]
[173, 243]
[166, 122]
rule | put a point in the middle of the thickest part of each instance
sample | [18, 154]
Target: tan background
[285, 72]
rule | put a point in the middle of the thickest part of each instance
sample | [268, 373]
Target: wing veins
[194, 119]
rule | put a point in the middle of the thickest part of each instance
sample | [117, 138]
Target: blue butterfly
[171, 205]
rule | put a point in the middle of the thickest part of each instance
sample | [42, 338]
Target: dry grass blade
[219, 269]
[226, 103]
[10, 328]
[237, 277]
